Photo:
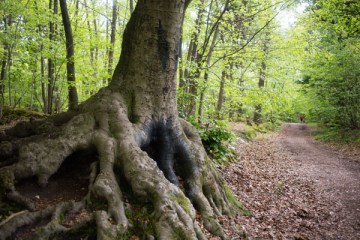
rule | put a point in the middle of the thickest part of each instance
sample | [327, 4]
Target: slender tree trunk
[51, 65]
[258, 118]
[42, 74]
[96, 32]
[131, 3]
[76, 14]
[70, 63]
[191, 72]
[91, 37]
[8, 70]
[2, 81]
[206, 74]
[6, 62]
[42, 64]
[33, 89]
[221, 94]
[112, 39]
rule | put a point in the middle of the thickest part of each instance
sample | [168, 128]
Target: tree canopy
[227, 48]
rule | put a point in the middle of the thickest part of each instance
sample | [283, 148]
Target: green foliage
[249, 133]
[331, 70]
[267, 127]
[336, 134]
[311, 68]
[217, 140]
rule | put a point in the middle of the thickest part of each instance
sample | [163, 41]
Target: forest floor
[295, 188]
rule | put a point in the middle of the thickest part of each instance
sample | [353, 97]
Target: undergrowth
[336, 134]
[217, 140]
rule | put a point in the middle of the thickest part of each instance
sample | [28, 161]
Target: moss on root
[11, 114]
[184, 203]
[235, 202]
[140, 219]
[7, 180]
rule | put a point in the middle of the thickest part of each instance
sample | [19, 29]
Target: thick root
[155, 157]
[12, 223]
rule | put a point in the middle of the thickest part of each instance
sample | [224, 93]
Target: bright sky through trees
[287, 18]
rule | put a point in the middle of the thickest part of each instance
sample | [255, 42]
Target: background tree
[70, 64]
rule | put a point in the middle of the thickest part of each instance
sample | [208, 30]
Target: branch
[252, 37]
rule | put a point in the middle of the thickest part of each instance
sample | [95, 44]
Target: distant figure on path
[302, 118]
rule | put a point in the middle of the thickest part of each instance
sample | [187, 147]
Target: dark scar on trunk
[163, 46]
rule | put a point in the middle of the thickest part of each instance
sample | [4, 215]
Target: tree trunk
[191, 73]
[90, 36]
[42, 65]
[51, 64]
[70, 64]
[3, 79]
[3, 71]
[96, 34]
[206, 74]
[221, 94]
[112, 39]
[8, 70]
[6, 62]
[43, 85]
[133, 125]
[258, 117]
[258, 108]
[131, 3]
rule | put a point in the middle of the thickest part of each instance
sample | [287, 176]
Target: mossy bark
[133, 124]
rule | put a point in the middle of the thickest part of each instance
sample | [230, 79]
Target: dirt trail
[294, 187]
[336, 175]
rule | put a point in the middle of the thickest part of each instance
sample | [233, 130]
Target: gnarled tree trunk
[133, 124]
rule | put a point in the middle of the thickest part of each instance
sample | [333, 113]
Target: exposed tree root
[151, 155]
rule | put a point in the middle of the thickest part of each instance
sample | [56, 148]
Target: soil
[293, 186]
[336, 174]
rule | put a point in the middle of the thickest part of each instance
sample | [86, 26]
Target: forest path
[295, 188]
[336, 175]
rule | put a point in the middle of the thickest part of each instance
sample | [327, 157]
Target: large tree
[141, 143]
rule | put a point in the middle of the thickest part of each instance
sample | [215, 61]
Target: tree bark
[6, 62]
[91, 37]
[43, 85]
[258, 108]
[133, 125]
[131, 3]
[112, 39]
[3, 79]
[206, 74]
[192, 73]
[258, 117]
[3, 70]
[221, 94]
[51, 65]
[70, 64]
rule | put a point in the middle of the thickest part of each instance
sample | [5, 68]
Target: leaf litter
[284, 202]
